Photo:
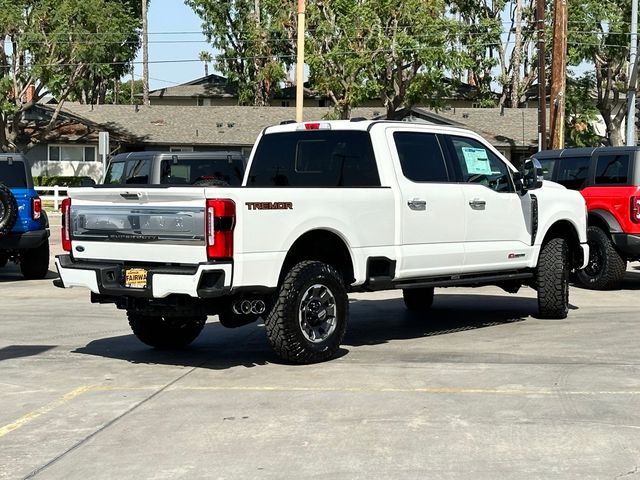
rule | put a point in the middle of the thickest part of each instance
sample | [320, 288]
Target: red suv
[609, 180]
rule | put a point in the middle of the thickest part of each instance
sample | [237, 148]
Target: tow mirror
[531, 176]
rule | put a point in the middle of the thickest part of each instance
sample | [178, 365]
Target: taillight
[635, 209]
[314, 126]
[36, 208]
[65, 234]
[220, 220]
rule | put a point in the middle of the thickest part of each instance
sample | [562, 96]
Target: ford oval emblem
[80, 248]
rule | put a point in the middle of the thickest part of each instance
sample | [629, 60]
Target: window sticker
[476, 160]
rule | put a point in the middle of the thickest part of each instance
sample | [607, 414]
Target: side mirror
[531, 176]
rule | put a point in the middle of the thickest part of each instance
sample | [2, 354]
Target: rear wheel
[165, 332]
[552, 279]
[418, 299]
[606, 267]
[34, 263]
[309, 318]
[4, 258]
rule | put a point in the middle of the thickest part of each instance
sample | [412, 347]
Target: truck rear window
[318, 158]
[188, 172]
[13, 175]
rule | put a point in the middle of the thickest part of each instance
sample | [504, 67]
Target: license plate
[135, 278]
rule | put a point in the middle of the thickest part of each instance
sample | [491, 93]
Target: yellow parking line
[44, 409]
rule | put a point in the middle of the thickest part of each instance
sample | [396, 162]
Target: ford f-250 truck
[325, 208]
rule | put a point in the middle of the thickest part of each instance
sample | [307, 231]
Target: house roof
[191, 125]
[239, 125]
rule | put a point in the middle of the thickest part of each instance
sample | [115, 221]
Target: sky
[179, 30]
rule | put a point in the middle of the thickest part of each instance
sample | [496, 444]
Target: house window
[72, 153]
[285, 103]
[200, 101]
[181, 149]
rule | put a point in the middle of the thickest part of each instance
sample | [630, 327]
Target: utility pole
[558, 73]
[300, 62]
[145, 55]
[542, 84]
[633, 76]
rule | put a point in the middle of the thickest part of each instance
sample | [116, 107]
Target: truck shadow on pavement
[372, 322]
[11, 273]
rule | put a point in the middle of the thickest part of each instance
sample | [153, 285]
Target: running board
[463, 280]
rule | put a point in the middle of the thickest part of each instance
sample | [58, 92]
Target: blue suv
[24, 227]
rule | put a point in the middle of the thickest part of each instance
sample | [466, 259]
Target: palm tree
[206, 58]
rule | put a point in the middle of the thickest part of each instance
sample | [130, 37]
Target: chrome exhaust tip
[245, 307]
[258, 307]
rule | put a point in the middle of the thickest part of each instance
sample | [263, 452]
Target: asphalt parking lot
[478, 389]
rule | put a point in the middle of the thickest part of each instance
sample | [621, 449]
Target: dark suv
[609, 180]
[24, 227]
[176, 168]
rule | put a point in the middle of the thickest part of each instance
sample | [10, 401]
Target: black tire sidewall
[34, 262]
[335, 286]
[607, 275]
[158, 332]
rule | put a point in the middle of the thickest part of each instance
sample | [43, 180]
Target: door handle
[417, 204]
[477, 204]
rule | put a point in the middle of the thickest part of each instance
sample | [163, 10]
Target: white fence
[57, 196]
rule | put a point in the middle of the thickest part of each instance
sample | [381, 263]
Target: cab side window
[480, 165]
[572, 172]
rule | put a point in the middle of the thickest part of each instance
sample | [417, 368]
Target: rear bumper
[627, 244]
[24, 240]
[206, 280]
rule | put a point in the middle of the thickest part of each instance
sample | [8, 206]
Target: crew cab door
[431, 208]
[497, 218]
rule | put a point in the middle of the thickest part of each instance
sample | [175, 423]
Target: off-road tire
[418, 299]
[34, 263]
[552, 279]
[8, 210]
[606, 267]
[165, 332]
[283, 324]
[4, 258]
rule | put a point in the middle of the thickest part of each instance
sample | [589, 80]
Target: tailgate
[159, 225]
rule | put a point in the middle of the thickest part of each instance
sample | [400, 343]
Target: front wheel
[606, 267]
[309, 318]
[552, 279]
[165, 332]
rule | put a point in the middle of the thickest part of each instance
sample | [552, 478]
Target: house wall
[189, 101]
[38, 155]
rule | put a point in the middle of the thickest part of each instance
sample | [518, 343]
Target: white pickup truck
[325, 208]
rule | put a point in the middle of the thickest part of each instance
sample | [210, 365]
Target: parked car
[326, 208]
[609, 180]
[24, 227]
[224, 168]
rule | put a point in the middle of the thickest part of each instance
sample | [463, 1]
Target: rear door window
[421, 157]
[316, 158]
[13, 175]
[572, 172]
[612, 169]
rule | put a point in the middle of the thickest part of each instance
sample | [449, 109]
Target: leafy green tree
[254, 38]
[412, 49]
[121, 93]
[599, 34]
[581, 112]
[48, 47]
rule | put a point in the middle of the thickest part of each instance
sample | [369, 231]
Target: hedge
[63, 181]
